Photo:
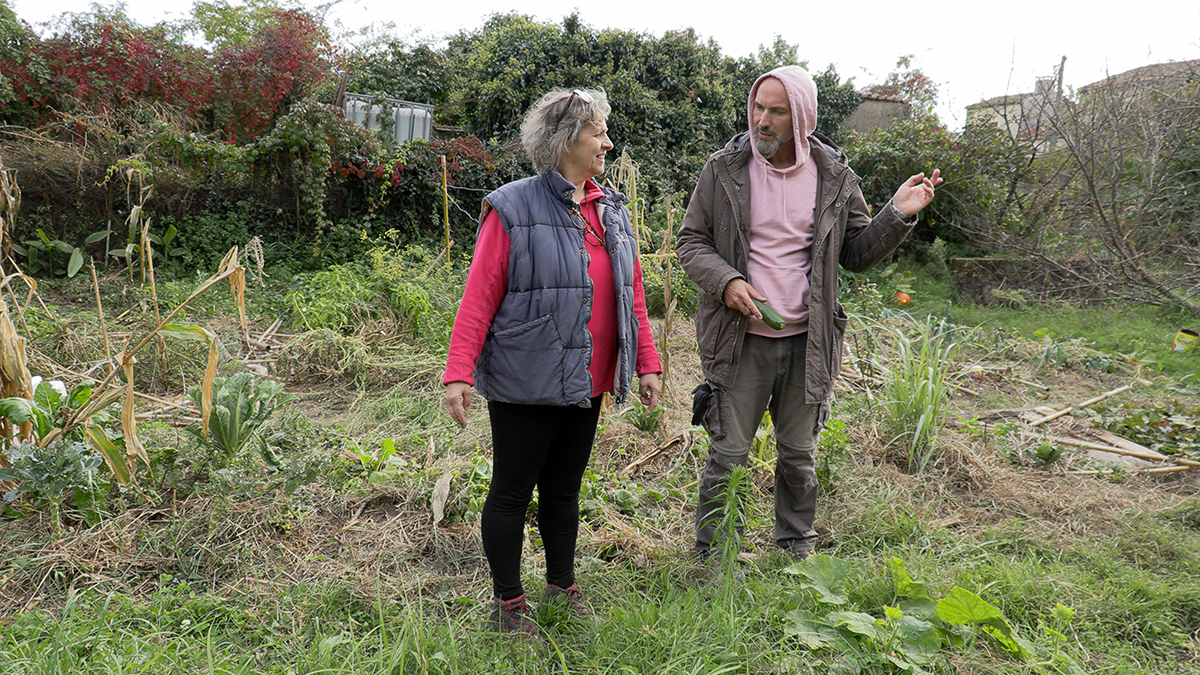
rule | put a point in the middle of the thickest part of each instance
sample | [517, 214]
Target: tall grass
[920, 377]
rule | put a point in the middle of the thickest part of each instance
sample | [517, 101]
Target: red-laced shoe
[570, 598]
[512, 617]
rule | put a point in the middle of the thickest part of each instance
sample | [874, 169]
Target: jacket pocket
[529, 326]
[840, 322]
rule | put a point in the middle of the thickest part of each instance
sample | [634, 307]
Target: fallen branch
[1155, 470]
[684, 439]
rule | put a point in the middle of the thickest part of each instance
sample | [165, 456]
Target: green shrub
[976, 163]
[337, 299]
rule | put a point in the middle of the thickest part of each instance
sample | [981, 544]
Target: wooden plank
[1122, 442]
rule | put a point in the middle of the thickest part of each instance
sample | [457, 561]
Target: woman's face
[585, 158]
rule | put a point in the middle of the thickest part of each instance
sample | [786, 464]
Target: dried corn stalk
[10, 203]
[14, 373]
[124, 466]
[14, 376]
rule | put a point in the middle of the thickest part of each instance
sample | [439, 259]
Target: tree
[394, 69]
[910, 84]
[673, 98]
[99, 62]
[224, 25]
[24, 76]
[976, 163]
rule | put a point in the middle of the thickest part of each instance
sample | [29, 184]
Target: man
[772, 217]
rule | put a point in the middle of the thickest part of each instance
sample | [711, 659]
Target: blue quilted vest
[538, 348]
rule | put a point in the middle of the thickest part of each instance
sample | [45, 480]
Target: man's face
[772, 117]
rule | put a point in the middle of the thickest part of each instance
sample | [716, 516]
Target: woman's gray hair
[554, 123]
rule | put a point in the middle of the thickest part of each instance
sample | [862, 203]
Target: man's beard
[766, 148]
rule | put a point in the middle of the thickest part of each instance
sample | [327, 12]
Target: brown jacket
[713, 245]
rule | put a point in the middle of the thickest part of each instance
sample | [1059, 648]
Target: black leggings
[547, 446]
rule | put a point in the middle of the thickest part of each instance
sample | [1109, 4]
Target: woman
[553, 316]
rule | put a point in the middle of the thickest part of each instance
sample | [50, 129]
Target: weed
[335, 299]
[919, 382]
[730, 521]
[833, 453]
[642, 418]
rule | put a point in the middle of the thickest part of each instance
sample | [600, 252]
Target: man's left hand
[916, 193]
[649, 388]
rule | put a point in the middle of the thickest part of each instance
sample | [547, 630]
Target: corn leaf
[113, 456]
[189, 332]
[133, 447]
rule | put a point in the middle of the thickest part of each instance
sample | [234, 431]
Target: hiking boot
[801, 551]
[512, 617]
[569, 598]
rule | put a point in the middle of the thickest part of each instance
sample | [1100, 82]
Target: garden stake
[100, 312]
[1191, 464]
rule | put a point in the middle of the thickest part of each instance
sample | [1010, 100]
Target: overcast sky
[972, 54]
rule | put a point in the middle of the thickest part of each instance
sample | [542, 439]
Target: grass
[233, 573]
[1144, 331]
[653, 620]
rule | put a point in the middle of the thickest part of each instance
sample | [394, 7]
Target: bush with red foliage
[104, 63]
[257, 80]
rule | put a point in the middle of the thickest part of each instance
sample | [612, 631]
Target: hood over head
[802, 97]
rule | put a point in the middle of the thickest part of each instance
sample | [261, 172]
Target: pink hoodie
[781, 211]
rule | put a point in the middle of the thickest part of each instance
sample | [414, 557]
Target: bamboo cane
[1090, 401]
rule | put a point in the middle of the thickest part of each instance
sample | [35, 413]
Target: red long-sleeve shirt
[487, 282]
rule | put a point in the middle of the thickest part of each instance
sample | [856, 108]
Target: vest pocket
[525, 363]
[530, 326]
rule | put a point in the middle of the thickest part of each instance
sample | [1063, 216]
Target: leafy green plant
[833, 452]
[642, 418]
[912, 632]
[51, 409]
[1046, 453]
[240, 406]
[48, 408]
[63, 472]
[40, 254]
[1171, 428]
[916, 390]
[336, 298]
[382, 466]
[898, 642]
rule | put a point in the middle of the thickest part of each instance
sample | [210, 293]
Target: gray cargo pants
[770, 376]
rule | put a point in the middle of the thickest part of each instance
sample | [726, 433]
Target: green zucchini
[770, 316]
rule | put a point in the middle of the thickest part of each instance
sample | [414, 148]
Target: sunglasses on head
[583, 96]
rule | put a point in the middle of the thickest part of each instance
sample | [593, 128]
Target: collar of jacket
[558, 186]
[565, 190]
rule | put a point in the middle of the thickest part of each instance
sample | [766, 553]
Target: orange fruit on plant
[902, 298]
